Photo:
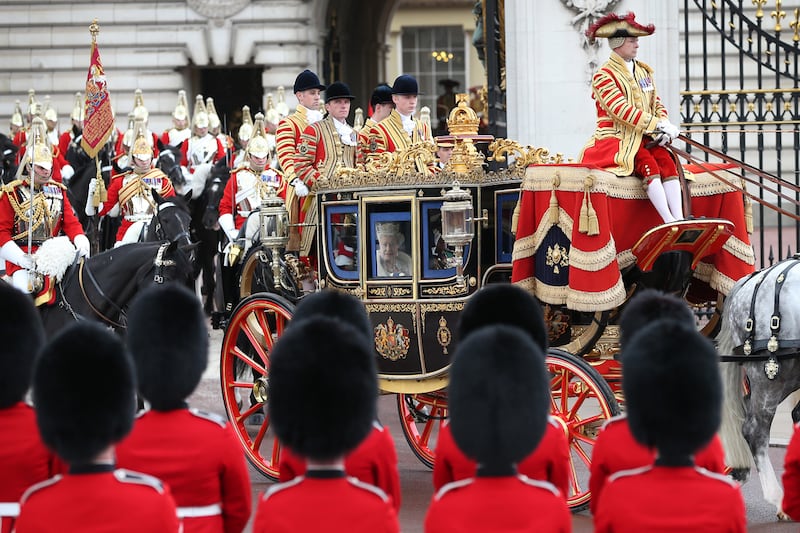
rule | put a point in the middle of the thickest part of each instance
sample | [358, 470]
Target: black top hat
[336, 90]
[504, 303]
[334, 304]
[669, 408]
[381, 95]
[498, 380]
[168, 341]
[449, 83]
[405, 84]
[315, 360]
[96, 409]
[307, 80]
[23, 335]
[646, 307]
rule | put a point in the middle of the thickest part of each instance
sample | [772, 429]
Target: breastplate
[202, 150]
[48, 204]
[250, 188]
[139, 206]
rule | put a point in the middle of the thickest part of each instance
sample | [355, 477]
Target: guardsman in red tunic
[325, 146]
[52, 213]
[382, 105]
[16, 122]
[676, 412]
[208, 479]
[243, 134]
[202, 148]
[21, 136]
[24, 459]
[791, 477]
[179, 132]
[615, 448]
[130, 195]
[400, 129]
[215, 129]
[374, 461]
[82, 423]
[309, 425]
[307, 88]
[487, 397]
[76, 129]
[510, 305]
[632, 123]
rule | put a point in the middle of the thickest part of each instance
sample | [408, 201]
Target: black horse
[8, 156]
[101, 287]
[169, 162]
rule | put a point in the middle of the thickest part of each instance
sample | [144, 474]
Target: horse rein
[184, 233]
[159, 263]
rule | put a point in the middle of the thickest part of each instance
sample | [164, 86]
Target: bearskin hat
[323, 388]
[649, 305]
[337, 304]
[168, 341]
[503, 303]
[673, 389]
[84, 392]
[23, 336]
[498, 396]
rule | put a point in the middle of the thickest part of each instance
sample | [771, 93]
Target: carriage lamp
[274, 219]
[457, 226]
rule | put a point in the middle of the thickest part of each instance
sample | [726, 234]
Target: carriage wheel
[421, 416]
[257, 322]
[581, 401]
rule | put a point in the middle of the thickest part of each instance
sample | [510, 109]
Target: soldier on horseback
[29, 215]
[130, 195]
[180, 131]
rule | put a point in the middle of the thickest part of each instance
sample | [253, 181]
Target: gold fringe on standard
[588, 219]
[748, 211]
[552, 210]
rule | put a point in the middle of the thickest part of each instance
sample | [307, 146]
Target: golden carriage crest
[392, 340]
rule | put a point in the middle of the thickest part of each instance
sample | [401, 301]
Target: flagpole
[31, 173]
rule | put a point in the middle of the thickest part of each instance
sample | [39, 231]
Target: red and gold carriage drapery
[577, 226]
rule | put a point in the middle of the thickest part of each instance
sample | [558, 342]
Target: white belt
[196, 512]
[139, 218]
[9, 509]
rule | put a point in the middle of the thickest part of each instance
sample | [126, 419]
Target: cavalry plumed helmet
[78, 110]
[200, 116]
[16, 116]
[258, 145]
[246, 129]
[181, 111]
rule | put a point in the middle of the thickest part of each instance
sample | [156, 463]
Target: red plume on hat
[614, 25]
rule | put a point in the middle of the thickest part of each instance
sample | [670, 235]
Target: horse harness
[773, 348]
[158, 277]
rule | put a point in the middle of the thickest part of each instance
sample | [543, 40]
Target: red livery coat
[327, 501]
[548, 462]
[791, 476]
[616, 450]
[390, 136]
[210, 471]
[498, 504]
[116, 501]
[24, 459]
[374, 461]
[666, 499]
[166, 190]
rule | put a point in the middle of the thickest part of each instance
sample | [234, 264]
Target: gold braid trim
[21, 209]
[137, 187]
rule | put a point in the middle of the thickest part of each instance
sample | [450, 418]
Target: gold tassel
[583, 224]
[552, 210]
[594, 224]
[515, 219]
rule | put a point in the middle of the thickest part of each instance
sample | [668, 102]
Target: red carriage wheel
[256, 323]
[581, 402]
[421, 417]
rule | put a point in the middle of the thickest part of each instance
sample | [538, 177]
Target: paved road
[416, 479]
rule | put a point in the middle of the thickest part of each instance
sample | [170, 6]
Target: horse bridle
[158, 262]
[184, 233]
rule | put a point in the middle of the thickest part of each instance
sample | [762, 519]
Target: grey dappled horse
[756, 383]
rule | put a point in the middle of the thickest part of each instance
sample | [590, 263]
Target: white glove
[300, 188]
[66, 173]
[227, 225]
[669, 128]
[12, 253]
[81, 243]
[91, 210]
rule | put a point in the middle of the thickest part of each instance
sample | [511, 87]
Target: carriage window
[342, 228]
[504, 207]
[436, 252]
[391, 241]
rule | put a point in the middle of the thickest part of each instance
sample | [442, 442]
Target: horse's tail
[737, 453]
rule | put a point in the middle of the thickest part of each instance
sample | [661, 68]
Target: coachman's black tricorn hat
[405, 84]
[498, 397]
[23, 335]
[307, 80]
[673, 390]
[381, 95]
[168, 341]
[84, 390]
[336, 90]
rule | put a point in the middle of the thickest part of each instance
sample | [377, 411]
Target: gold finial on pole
[759, 11]
[94, 29]
[778, 14]
[795, 25]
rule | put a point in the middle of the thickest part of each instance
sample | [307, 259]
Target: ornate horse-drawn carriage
[572, 249]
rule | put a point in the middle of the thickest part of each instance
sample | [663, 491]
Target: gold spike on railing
[778, 14]
[759, 11]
